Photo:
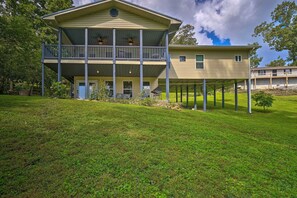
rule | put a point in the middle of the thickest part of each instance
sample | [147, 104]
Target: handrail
[105, 52]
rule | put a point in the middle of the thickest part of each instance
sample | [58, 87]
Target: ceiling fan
[131, 40]
[101, 39]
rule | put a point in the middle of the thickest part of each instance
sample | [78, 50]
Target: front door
[127, 89]
[274, 72]
[81, 91]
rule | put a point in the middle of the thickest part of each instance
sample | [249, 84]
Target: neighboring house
[274, 77]
[127, 46]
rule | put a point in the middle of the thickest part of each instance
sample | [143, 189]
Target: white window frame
[238, 55]
[183, 56]
[261, 72]
[131, 88]
[105, 82]
[199, 61]
[287, 71]
[149, 86]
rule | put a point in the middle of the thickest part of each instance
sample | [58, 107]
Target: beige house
[274, 77]
[127, 47]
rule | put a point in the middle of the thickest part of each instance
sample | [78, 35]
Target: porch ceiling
[70, 70]
[150, 37]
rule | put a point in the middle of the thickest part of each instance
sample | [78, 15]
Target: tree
[277, 63]
[185, 36]
[263, 99]
[281, 33]
[254, 58]
[21, 32]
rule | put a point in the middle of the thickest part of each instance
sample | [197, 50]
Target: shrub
[147, 102]
[22, 85]
[59, 90]
[263, 99]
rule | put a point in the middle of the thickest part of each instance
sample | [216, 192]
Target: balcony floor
[122, 70]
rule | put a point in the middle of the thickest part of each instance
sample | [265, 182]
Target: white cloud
[236, 19]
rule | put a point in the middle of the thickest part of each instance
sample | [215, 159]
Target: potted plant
[23, 88]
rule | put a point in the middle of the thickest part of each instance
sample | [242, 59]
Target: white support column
[204, 95]
[114, 62]
[59, 54]
[42, 70]
[167, 66]
[86, 65]
[195, 97]
[141, 59]
[236, 95]
[249, 93]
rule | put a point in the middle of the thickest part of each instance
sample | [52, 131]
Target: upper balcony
[105, 52]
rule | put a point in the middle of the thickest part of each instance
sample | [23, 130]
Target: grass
[59, 148]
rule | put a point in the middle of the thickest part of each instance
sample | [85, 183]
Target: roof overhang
[212, 47]
[54, 19]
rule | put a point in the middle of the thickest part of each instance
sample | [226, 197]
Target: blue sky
[218, 22]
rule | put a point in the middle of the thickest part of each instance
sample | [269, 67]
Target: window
[199, 61]
[238, 58]
[147, 89]
[114, 12]
[182, 59]
[128, 88]
[109, 87]
[287, 71]
[262, 72]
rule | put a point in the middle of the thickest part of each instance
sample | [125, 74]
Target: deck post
[141, 59]
[204, 95]
[59, 54]
[195, 97]
[214, 95]
[223, 96]
[42, 70]
[181, 93]
[249, 93]
[176, 94]
[255, 83]
[167, 65]
[86, 65]
[248, 90]
[187, 96]
[71, 89]
[236, 95]
[114, 62]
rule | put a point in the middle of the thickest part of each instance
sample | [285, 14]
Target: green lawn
[57, 148]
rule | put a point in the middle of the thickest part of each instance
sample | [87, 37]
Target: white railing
[127, 52]
[256, 75]
[104, 52]
[100, 52]
[154, 53]
[50, 51]
[73, 52]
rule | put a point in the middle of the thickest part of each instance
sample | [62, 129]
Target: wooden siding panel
[217, 65]
[102, 19]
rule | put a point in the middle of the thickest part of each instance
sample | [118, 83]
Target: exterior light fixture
[130, 72]
[98, 71]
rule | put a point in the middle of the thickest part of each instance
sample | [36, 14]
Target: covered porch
[107, 53]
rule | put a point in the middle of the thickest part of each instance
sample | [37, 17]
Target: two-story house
[274, 77]
[127, 47]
